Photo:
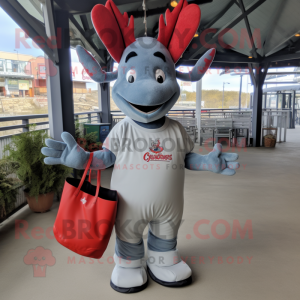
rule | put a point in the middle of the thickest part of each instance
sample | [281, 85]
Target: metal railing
[224, 113]
[90, 117]
[25, 120]
[117, 116]
[15, 129]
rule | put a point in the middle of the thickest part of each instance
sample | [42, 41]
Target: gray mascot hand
[222, 163]
[68, 153]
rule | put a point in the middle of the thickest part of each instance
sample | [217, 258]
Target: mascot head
[146, 87]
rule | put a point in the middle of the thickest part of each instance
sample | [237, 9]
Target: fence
[117, 116]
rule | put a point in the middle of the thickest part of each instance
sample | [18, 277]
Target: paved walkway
[265, 264]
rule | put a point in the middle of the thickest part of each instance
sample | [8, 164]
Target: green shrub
[8, 187]
[86, 141]
[37, 177]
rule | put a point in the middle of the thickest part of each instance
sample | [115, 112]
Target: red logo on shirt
[155, 146]
[157, 149]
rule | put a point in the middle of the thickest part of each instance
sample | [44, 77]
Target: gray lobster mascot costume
[149, 151]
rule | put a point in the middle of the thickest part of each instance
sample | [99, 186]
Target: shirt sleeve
[187, 141]
[112, 141]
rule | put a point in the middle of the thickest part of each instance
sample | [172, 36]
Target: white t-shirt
[149, 169]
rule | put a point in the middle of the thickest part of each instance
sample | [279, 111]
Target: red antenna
[127, 29]
[116, 33]
[180, 28]
[113, 29]
[166, 31]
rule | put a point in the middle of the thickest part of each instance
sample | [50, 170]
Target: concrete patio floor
[264, 194]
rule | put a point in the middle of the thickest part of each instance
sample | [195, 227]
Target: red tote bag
[86, 215]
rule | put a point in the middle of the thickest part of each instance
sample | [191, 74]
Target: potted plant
[8, 187]
[86, 141]
[41, 181]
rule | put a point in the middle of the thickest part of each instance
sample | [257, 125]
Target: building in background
[15, 74]
[23, 88]
[80, 79]
[25, 76]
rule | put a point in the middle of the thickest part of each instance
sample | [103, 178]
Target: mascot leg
[129, 274]
[164, 263]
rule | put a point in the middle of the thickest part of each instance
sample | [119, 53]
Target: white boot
[167, 268]
[128, 276]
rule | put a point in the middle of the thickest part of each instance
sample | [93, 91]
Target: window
[1, 66]
[8, 66]
[280, 98]
[271, 101]
[15, 66]
[24, 67]
[42, 71]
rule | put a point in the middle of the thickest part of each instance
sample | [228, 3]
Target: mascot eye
[160, 76]
[130, 76]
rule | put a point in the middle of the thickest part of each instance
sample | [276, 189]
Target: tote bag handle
[98, 182]
[84, 176]
[85, 172]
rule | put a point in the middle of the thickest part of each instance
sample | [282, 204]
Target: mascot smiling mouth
[147, 109]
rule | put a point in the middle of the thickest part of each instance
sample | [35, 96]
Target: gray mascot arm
[70, 154]
[216, 161]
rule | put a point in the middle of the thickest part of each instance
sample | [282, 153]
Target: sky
[212, 80]
[8, 36]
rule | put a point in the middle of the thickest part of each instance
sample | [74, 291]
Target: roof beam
[220, 15]
[283, 73]
[84, 22]
[88, 32]
[215, 65]
[255, 76]
[227, 27]
[228, 57]
[265, 72]
[89, 44]
[233, 58]
[242, 7]
[278, 57]
[295, 47]
[272, 50]
[49, 22]
[161, 10]
[252, 76]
